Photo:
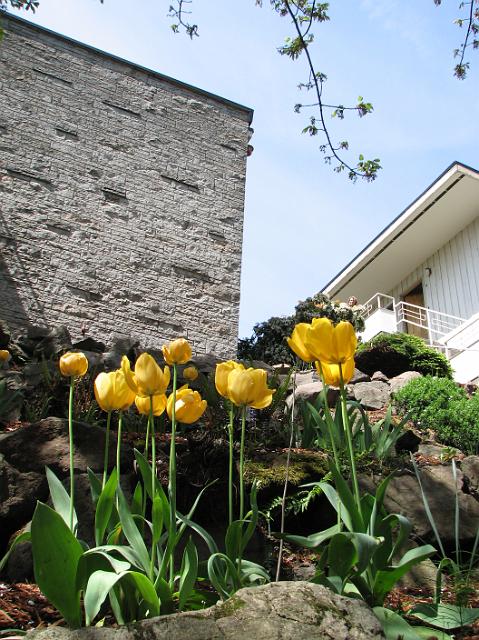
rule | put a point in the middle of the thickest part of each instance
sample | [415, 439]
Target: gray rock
[19, 493]
[470, 469]
[404, 496]
[55, 342]
[306, 377]
[359, 376]
[429, 450]
[400, 381]
[45, 443]
[276, 611]
[309, 392]
[372, 395]
[379, 376]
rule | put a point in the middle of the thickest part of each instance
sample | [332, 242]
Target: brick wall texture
[121, 197]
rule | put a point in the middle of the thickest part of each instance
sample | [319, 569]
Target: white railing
[434, 324]
[457, 338]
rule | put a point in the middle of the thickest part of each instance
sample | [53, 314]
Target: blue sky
[303, 222]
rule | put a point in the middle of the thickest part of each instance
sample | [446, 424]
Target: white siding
[453, 284]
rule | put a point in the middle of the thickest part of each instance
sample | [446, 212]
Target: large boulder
[276, 611]
[404, 496]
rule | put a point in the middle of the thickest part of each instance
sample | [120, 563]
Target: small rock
[359, 376]
[400, 381]
[379, 376]
[372, 395]
[89, 344]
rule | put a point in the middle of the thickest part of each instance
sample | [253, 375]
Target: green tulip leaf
[188, 573]
[137, 501]
[104, 507]
[60, 498]
[342, 556]
[95, 485]
[102, 582]
[445, 616]
[312, 541]
[157, 518]
[56, 554]
[387, 578]
[394, 626]
[131, 532]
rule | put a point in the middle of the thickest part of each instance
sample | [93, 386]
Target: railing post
[429, 329]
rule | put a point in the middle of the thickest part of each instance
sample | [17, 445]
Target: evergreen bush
[394, 353]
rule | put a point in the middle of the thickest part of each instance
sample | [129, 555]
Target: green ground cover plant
[441, 405]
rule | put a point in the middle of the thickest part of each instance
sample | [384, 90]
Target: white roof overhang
[444, 209]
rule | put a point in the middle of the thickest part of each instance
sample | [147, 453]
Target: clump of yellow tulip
[332, 348]
[242, 388]
[72, 365]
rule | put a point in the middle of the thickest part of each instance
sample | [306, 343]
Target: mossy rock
[270, 470]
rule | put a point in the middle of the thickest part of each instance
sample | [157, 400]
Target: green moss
[271, 470]
[228, 608]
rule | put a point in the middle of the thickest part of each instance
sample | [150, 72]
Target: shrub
[268, 342]
[439, 404]
[394, 353]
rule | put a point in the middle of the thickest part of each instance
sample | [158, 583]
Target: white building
[421, 273]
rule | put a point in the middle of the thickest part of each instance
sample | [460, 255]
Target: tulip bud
[73, 364]
[143, 404]
[177, 352]
[190, 373]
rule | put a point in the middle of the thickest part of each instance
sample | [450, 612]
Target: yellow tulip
[112, 392]
[177, 352]
[4, 355]
[143, 405]
[331, 344]
[189, 407]
[148, 379]
[73, 364]
[331, 372]
[249, 387]
[223, 369]
[190, 373]
[296, 342]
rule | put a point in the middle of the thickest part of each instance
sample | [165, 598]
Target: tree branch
[472, 31]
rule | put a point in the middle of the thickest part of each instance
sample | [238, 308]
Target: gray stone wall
[121, 194]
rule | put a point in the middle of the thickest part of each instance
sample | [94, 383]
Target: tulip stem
[241, 469]
[172, 478]
[328, 417]
[118, 444]
[230, 465]
[347, 428]
[72, 453]
[147, 437]
[107, 444]
[151, 419]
